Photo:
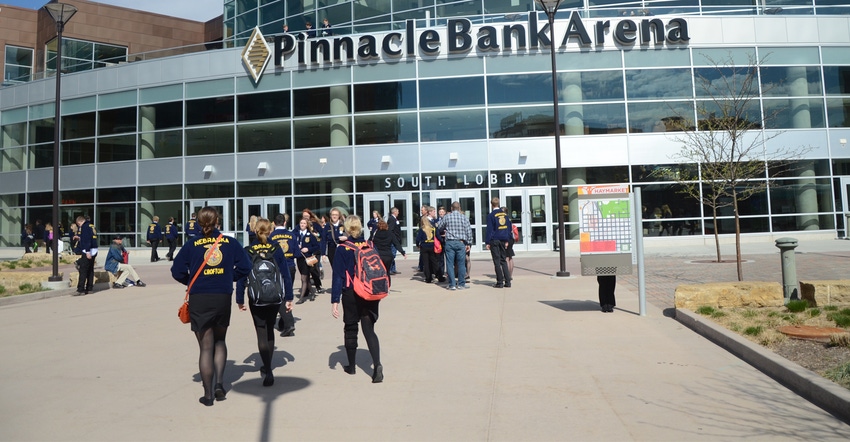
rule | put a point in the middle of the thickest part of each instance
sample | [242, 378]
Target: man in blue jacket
[87, 248]
[154, 237]
[498, 235]
[115, 264]
[171, 234]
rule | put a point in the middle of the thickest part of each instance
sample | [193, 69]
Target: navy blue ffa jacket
[257, 247]
[343, 269]
[319, 234]
[228, 264]
[498, 226]
[308, 240]
[425, 238]
[333, 234]
[154, 232]
[193, 229]
[88, 239]
[286, 240]
[171, 231]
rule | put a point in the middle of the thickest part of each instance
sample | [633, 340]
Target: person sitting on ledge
[115, 264]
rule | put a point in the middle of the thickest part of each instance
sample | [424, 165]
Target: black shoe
[206, 401]
[395, 273]
[117, 286]
[80, 292]
[219, 392]
[428, 281]
[313, 296]
[498, 285]
[319, 290]
[139, 283]
[350, 369]
[302, 299]
[378, 375]
[268, 378]
[610, 308]
[288, 332]
[507, 285]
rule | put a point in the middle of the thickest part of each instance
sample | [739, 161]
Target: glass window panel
[835, 55]
[599, 118]
[448, 125]
[77, 152]
[113, 219]
[116, 121]
[264, 188]
[264, 136]
[13, 135]
[798, 167]
[382, 129]
[13, 158]
[659, 117]
[209, 140]
[115, 195]
[838, 112]
[209, 111]
[785, 56]
[72, 48]
[512, 122]
[650, 84]
[373, 8]
[79, 105]
[19, 56]
[658, 57]
[312, 101]
[43, 198]
[724, 82]
[595, 86]
[385, 71]
[314, 132]
[501, 6]
[523, 63]
[519, 89]
[664, 172]
[108, 55]
[312, 186]
[709, 111]
[837, 80]
[793, 113]
[655, 196]
[120, 148]
[263, 106]
[74, 196]
[161, 144]
[161, 93]
[471, 66]
[452, 8]
[209, 88]
[78, 126]
[41, 131]
[167, 192]
[791, 223]
[443, 92]
[787, 195]
[41, 156]
[10, 116]
[740, 57]
[161, 116]
[790, 81]
[394, 95]
[118, 99]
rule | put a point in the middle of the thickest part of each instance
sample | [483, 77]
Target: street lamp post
[550, 7]
[61, 13]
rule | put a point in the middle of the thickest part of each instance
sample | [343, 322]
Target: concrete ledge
[729, 294]
[47, 294]
[809, 385]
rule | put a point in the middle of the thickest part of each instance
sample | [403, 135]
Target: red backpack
[370, 280]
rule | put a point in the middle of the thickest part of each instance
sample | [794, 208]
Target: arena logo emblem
[256, 54]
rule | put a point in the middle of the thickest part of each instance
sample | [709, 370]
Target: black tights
[305, 284]
[265, 344]
[370, 336]
[213, 357]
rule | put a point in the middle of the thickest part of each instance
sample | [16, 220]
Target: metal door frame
[405, 213]
[525, 243]
[481, 220]
[196, 205]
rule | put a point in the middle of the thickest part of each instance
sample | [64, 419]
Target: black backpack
[265, 285]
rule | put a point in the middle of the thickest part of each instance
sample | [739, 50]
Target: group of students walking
[210, 263]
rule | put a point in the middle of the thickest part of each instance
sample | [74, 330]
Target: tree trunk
[716, 231]
[737, 235]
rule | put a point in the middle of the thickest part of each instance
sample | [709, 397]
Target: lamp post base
[56, 285]
[57, 278]
[562, 274]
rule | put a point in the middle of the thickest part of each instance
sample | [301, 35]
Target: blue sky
[200, 10]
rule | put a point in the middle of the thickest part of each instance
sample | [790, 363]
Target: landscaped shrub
[754, 330]
[2, 290]
[797, 306]
[29, 288]
[705, 310]
[814, 312]
[840, 375]
[718, 314]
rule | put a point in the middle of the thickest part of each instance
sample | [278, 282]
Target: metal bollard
[789, 268]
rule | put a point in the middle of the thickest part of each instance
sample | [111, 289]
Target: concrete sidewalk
[537, 361]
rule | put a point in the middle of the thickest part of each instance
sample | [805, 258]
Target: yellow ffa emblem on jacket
[341, 230]
[501, 220]
[429, 234]
[284, 245]
[93, 231]
[307, 239]
[213, 256]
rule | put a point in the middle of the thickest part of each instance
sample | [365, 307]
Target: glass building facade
[417, 122]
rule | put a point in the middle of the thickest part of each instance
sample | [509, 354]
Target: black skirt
[209, 310]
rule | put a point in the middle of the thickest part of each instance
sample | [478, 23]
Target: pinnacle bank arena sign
[460, 37]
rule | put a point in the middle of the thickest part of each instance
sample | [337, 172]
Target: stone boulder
[729, 294]
[826, 292]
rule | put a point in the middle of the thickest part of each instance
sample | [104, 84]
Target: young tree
[728, 142]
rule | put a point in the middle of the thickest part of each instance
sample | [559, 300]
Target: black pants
[500, 263]
[287, 321]
[430, 265]
[356, 310]
[154, 245]
[607, 283]
[172, 244]
[86, 280]
[314, 274]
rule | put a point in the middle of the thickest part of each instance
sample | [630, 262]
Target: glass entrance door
[470, 204]
[261, 207]
[529, 209]
[223, 209]
[383, 203]
[845, 200]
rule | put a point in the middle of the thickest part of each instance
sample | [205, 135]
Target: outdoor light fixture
[323, 161]
[209, 169]
[843, 142]
[263, 166]
[523, 153]
[453, 156]
[386, 159]
[61, 13]
[550, 7]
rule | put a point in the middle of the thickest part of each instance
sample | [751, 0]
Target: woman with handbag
[208, 266]
[309, 258]
[426, 240]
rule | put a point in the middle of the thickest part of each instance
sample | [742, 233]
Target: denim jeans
[455, 258]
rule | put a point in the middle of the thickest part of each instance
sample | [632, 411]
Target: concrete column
[147, 140]
[146, 214]
[789, 268]
[341, 125]
[798, 85]
[807, 197]
[573, 113]
[340, 196]
[575, 177]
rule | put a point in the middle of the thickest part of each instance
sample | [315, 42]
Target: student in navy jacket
[308, 244]
[210, 295]
[315, 226]
[87, 247]
[171, 234]
[264, 316]
[354, 308]
[286, 240]
[154, 237]
[498, 236]
[335, 233]
[425, 242]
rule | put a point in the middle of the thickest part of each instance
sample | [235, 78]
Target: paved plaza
[537, 361]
